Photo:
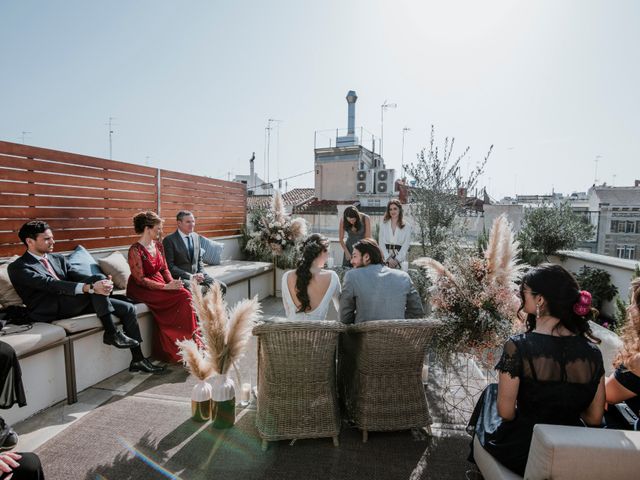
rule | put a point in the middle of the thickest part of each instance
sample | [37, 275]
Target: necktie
[47, 265]
[190, 243]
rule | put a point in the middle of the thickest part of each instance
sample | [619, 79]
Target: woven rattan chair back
[380, 365]
[297, 380]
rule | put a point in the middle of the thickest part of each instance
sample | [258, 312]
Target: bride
[307, 290]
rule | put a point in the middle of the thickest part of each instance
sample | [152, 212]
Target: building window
[621, 226]
[638, 226]
[631, 227]
[614, 226]
[626, 251]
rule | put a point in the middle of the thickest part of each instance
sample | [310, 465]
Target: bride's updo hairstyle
[312, 246]
[564, 299]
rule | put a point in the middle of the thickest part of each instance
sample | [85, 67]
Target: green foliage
[597, 282]
[620, 314]
[436, 200]
[551, 228]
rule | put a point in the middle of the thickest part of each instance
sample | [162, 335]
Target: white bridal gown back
[320, 312]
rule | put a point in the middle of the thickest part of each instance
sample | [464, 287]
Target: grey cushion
[40, 335]
[233, 271]
[211, 251]
[82, 261]
[90, 320]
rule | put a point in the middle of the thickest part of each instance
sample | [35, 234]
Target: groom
[373, 291]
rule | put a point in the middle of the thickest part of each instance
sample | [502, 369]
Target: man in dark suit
[51, 289]
[183, 253]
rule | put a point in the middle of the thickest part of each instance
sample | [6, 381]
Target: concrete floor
[46, 424]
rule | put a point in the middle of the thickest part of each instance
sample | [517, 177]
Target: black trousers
[29, 468]
[12, 391]
[103, 307]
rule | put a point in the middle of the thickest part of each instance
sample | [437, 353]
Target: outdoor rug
[148, 434]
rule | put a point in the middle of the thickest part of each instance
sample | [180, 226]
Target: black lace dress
[559, 377]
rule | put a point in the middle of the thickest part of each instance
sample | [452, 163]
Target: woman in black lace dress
[551, 374]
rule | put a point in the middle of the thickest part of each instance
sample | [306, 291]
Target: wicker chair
[296, 380]
[380, 374]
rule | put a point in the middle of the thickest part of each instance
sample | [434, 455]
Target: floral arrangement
[275, 235]
[476, 295]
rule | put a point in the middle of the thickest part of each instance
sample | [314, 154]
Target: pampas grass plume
[193, 359]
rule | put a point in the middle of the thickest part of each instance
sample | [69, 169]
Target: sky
[554, 86]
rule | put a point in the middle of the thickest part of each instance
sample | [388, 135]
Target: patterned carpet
[148, 434]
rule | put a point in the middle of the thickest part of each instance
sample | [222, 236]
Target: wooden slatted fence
[91, 201]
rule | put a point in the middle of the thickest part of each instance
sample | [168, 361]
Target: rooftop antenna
[404, 130]
[268, 128]
[383, 107]
[24, 134]
[595, 175]
[111, 125]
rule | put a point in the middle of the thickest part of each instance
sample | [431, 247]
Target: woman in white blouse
[395, 235]
[308, 290]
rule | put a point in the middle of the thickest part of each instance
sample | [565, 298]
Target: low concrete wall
[620, 270]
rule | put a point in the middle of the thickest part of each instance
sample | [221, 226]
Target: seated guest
[52, 289]
[308, 290]
[373, 291]
[151, 283]
[624, 384]
[553, 373]
[395, 235]
[183, 253]
[21, 465]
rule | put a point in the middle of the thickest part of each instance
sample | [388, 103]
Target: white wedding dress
[320, 312]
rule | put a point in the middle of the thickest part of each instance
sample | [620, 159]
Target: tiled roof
[293, 197]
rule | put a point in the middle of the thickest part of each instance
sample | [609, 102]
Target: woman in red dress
[151, 283]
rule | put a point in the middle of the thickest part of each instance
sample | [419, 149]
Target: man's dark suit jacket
[38, 289]
[177, 255]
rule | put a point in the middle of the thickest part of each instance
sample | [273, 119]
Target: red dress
[171, 308]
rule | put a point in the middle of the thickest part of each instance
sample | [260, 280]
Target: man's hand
[199, 277]
[103, 287]
[174, 285]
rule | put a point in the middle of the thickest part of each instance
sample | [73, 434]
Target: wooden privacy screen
[90, 201]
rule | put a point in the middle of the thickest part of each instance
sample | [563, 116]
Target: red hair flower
[583, 306]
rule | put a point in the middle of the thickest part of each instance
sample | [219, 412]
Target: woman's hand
[392, 262]
[173, 285]
[8, 461]
[347, 255]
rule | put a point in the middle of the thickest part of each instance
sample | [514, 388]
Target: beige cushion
[8, 295]
[564, 453]
[116, 266]
[40, 335]
[609, 346]
[489, 466]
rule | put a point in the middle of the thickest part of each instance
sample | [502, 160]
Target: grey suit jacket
[177, 256]
[376, 292]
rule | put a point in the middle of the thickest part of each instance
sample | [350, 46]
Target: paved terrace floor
[135, 426]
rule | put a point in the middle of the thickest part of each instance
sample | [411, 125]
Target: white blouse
[318, 313]
[402, 236]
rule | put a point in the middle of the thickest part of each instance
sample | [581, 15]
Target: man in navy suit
[51, 289]
[183, 253]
